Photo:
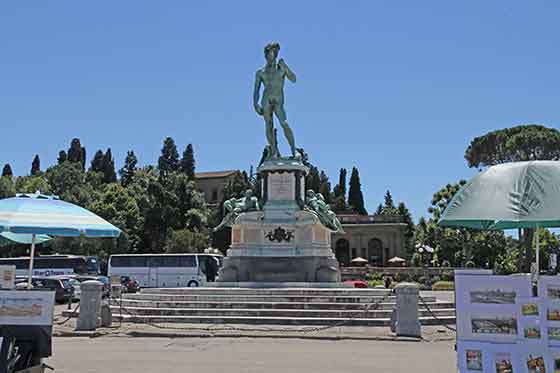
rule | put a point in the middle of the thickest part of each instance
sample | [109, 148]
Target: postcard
[494, 325]
[503, 362]
[474, 359]
[553, 314]
[536, 364]
[493, 296]
[530, 309]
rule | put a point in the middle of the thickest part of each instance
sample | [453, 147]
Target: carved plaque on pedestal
[281, 186]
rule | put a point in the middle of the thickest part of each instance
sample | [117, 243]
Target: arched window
[375, 252]
[342, 251]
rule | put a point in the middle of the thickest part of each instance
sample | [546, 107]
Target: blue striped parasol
[38, 214]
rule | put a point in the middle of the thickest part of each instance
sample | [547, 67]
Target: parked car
[103, 279]
[61, 286]
[77, 290]
[129, 284]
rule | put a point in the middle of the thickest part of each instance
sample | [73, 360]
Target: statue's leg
[281, 114]
[269, 123]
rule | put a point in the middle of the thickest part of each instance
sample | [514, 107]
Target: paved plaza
[246, 355]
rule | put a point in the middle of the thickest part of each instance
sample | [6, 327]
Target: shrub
[444, 286]
[447, 277]
[374, 283]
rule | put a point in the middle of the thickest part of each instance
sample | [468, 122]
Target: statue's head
[248, 193]
[271, 52]
[310, 193]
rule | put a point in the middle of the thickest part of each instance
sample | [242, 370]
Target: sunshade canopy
[359, 260]
[39, 214]
[508, 196]
[396, 259]
[7, 238]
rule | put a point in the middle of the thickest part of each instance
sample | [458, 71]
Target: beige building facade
[374, 238]
[212, 184]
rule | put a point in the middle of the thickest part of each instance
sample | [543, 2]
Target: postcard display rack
[503, 328]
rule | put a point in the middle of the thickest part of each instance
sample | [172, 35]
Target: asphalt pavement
[248, 355]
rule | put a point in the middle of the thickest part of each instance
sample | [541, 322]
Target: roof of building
[214, 174]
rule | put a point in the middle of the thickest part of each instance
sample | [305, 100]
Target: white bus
[46, 266]
[163, 270]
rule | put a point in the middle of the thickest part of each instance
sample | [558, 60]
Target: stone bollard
[90, 306]
[407, 323]
[106, 316]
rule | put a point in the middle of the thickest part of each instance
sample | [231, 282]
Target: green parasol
[508, 196]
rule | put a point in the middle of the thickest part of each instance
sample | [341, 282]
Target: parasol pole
[31, 257]
[538, 255]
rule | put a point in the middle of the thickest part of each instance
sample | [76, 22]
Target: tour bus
[45, 266]
[163, 270]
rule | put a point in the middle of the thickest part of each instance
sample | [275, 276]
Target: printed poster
[18, 307]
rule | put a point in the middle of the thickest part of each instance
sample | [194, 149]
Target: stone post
[90, 306]
[407, 323]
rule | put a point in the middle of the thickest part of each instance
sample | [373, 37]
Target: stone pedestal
[283, 242]
[407, 322]
[90, 306]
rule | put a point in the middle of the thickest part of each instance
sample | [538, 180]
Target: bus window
[128, 261]
[188, 261]
[170, 261]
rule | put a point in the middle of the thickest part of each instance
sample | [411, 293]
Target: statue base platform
[279, 285]
[283, 243]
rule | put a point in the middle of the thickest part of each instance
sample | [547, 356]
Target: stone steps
[277, 313]
[241, 298]
[288, 321]
[269, 292]
[310, 306]
[127, 302]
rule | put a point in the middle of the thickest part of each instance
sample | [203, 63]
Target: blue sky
[396, 88]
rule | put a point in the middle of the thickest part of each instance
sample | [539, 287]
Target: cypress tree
[36, 166]
[313, 180]
[97, 161]
[355, 195]
[62, 157]
[389, 204]
[77, 153]
[109, 174]
[7, 171]
[188, 162]
[325, 186]
[340, 188]
[128, 171]
[169, 160]
[379, 210]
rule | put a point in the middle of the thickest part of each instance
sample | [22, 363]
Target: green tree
[62, 157]
[97, 161]
[339, 199]
[7, 171]
[389, 203]
[67, 180]
[32, 184]
[77, 153]
[7, 187]
[325, 186]
[188, 162]
[129, 169]
[379, 210]
[109, 174]
[186, 241]
[403, 211]
[355, 195]
[169, 160]
[520, 143]
[36, 166]
[313, 179]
